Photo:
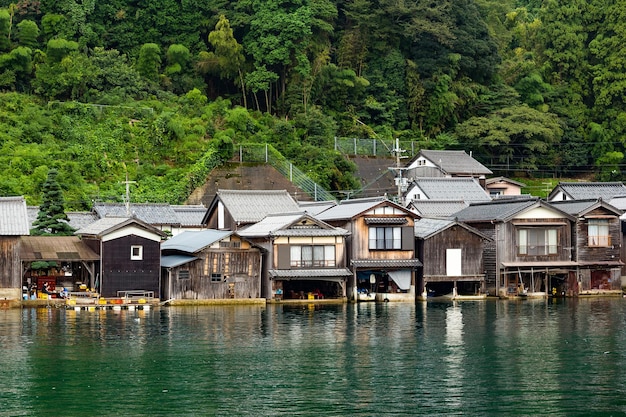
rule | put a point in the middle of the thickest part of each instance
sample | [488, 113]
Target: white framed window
[312, 256]
[598, 232]
[136, 253]
[537, 241]
[385, 238]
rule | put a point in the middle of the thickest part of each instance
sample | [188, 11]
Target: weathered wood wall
[240, 272]
[455, 237]
[10, 267]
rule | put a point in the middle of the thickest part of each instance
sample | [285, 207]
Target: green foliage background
[163, 90]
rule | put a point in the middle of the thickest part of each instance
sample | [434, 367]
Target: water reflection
[454, 356]
[480, 358]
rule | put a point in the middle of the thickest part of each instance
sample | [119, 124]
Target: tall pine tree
[51, 219]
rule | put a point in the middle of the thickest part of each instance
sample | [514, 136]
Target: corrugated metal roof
[452, 189]
[55, 248]
[13, 217]
[154, 214]
[316, 207]
[172, 261]
[251, 206]
[194, 241]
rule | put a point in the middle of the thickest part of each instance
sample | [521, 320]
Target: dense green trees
[157, 85]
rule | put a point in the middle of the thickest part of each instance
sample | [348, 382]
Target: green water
[486, 358]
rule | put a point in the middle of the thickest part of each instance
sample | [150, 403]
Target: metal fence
[266, 153]
[374, 147]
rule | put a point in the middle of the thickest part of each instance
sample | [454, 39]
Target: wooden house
[130, 255]
[234, 209]
[586, 190]
[446, 189]
[452, 256]
[597, 237]
[442, 163]
[380, 247]
[531, 250]
[305, 257]
[160, 216]
[208, 265]
[13, 225]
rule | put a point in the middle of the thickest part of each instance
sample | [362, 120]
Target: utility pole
[127, 198]
[401, 182]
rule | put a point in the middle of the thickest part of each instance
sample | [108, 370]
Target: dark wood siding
[120, 273]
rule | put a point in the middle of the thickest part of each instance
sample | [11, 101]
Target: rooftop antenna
[127, 198]
[401, 182]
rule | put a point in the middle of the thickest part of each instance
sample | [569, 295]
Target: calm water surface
[488, 358]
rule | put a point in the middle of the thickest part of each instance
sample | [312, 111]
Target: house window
[537, 241]
[385, 238]
[183, 274]
[136, 253]
[215, 277]
[598, 232]
[313, 256]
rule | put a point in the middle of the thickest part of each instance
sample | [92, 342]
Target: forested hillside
[162, 89]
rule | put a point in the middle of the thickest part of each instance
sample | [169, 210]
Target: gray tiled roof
[190, 215]
[347, 209]
[101, 226]
[498, 210]
[282, 225]
[13, 217]
[578, 207]
[453, 189]
[78, 219]
[106, 225]
[386, 263]
[455, 162]
[310, 273]
[436, 208]
[590, 190]
[154, 214]
[427, 227]
[251, 206]
[194, 241]
[495, 180]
